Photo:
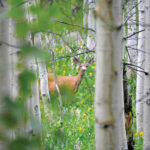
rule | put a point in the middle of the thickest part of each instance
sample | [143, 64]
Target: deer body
[70, 82]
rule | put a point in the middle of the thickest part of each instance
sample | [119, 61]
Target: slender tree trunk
[146, 144]
[128, 113]
[4, 71]
[33, 105]
[13, 58]
[109, 110]
[42, 71]
[132, 41]
[85, 13]
[91, 24]
[44, 90]
[140, 75]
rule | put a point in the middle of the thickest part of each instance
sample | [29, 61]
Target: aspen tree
[33, 105]
[146, 121]
[140, 63]
[109, 109]
[91, 24]
[4, 71]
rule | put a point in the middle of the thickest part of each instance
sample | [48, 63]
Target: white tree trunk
[33, 105]
[13, 58]
[85, 13]
[146, 143]
[91, 24]
[44, 90]
[109, 110]
[140, 75]
[42, 71]
[132, 41]
[4, 71]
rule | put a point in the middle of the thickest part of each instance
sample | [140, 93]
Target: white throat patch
[84, 67]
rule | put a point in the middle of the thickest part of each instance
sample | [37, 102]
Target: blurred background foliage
[76, 129]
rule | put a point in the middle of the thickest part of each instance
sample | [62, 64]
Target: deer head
[83, 66]
[80, 75]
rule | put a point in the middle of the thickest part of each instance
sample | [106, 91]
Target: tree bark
[13, 58]
[146, 143]
[91, 24]
[128, 113]
[42, 71]
[85, 12]
[140, 75]
[4, 71]
[33, 104]
[132, 41]
[109, 110]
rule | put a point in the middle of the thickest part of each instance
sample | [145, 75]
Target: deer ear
[91, 61]
[76, 60]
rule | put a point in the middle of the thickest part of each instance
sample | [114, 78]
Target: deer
[70, 82]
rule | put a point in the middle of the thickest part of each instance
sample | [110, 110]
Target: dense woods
[74, 74]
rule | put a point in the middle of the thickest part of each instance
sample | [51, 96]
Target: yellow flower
[66, 46]
[136, 134]
[90, 73]
[64, 72]
[80, 43]
[62, 48]
[59, 52]
[89, 108]
[93, 67]
[87, 117]
[49, 69]
[84, 114]
[63, 65]
[80, 129]
[56, 67]
[81, 59]
[56, 49]
[77, 67]
[141, 133]
[77, 111]
[81, 102]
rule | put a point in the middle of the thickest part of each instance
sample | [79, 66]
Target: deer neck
[79, 79]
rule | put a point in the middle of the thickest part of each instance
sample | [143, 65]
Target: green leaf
[21, 29]
[12, 113]
[16, 13]
[26, 78]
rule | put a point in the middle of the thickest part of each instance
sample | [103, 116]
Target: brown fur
[70, 82]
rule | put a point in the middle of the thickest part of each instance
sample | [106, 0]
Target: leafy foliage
[59, 17]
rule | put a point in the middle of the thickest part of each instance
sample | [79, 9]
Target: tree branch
[7, 44]
[128, 64]
[137, 49]
[146, 73]
[56, 84]
[61, 57]
[74, 25]
[125, 38]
